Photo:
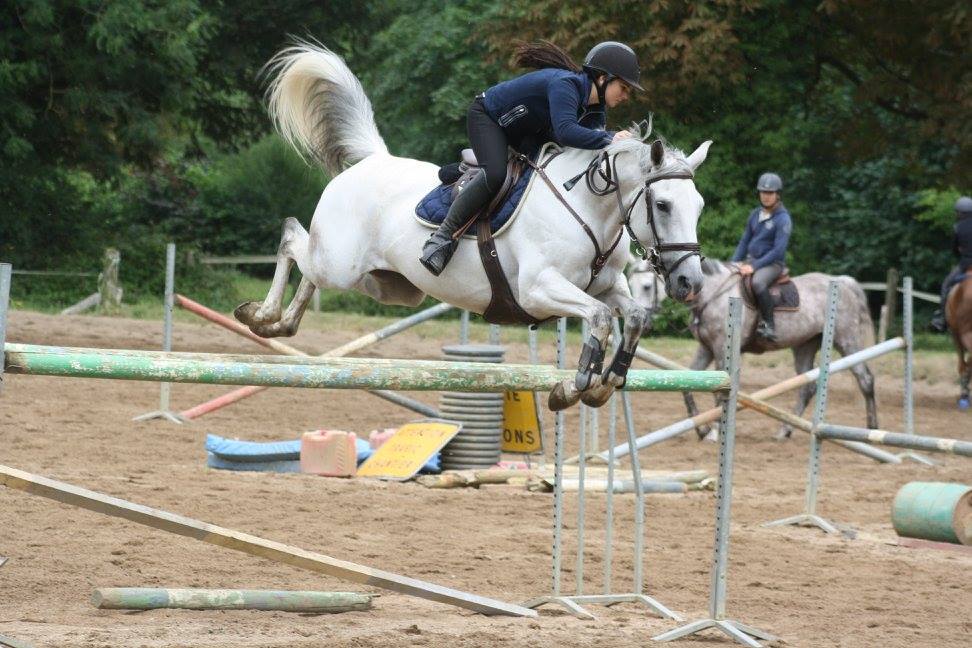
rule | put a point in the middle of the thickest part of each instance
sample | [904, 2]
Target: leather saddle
[503, 307]
[784, 292]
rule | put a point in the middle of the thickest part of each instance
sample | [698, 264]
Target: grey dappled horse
[799, 330]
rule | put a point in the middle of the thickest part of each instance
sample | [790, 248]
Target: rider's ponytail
[543, 54]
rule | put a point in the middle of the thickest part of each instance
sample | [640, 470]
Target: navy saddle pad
[433, 208]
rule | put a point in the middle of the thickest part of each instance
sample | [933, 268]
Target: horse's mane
[640, 131]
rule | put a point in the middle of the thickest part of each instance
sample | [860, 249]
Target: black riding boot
[439, 247]
[766, 329]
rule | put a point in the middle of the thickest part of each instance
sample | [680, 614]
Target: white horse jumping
[364, 236]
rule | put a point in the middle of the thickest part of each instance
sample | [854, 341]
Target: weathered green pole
[898, 439]
[152, 598]
[329, 373]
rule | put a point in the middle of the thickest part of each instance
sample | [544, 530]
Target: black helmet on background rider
[617, 61]
[963, 207]
[769, 182]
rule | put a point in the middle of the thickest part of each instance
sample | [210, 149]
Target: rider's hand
[621, 135]
[745, 269]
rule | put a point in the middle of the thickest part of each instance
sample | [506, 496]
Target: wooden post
[108, 284]
[891, 300]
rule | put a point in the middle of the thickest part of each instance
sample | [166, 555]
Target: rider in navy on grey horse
[762, 248]
[962, 247]
[559, 102]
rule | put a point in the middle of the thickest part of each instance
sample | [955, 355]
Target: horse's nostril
[683, 282]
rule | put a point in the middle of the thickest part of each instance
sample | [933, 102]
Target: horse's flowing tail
[865, 324]
[320, 108]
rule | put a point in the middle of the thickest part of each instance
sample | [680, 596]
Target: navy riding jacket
[548, 105]
[962, 243]
[765, 243]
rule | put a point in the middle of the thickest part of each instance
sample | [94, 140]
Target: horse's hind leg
[865, 381]
[290, 320]
[261, 314]
[803, 356]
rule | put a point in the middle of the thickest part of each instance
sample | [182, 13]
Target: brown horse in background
[958, 314]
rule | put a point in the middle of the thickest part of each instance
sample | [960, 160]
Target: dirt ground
[808, 588]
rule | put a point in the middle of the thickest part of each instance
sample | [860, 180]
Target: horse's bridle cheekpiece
[602, 166]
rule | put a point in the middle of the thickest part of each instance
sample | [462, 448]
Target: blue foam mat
[276, 456]
[214, 461]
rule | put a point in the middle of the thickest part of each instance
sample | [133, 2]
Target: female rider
[559, 101]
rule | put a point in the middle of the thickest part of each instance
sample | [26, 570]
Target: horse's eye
[663, 206]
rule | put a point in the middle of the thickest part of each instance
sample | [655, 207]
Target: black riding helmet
[616, 60]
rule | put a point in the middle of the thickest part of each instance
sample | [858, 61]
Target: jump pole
[325, 373]
[343, 350]
[800, 423]
[155, 598]
[167, 305]
[789, 384]
[221, 320]
[742, 633]
[896, 439]
[252, 545]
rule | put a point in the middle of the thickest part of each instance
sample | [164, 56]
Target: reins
[722, 288]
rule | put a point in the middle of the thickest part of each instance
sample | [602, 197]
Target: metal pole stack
[809, 515]
[742, 633]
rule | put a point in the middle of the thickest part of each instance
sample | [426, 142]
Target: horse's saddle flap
[784, 292]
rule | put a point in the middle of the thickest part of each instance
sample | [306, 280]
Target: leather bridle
[601, 179]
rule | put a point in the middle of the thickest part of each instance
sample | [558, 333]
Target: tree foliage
[134, 122]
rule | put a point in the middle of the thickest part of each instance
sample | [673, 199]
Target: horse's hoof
[712, 436]
[703, 432]
[964, 404]
[597, 396]
[562, 396]
[783, 434]
[246, 312]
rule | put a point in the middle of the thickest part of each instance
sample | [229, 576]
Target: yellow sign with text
[401, 456]
[521, 423]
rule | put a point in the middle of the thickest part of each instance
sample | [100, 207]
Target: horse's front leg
[703, 358]
[636, 319]
[552, 293]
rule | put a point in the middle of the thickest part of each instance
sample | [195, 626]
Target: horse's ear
[657, 153]
[698, 155]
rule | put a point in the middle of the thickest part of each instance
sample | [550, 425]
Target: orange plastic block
[377, 437]
[331, 453]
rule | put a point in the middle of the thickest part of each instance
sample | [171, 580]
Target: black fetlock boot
[937, 322]
[438, 249]
[766, 329]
